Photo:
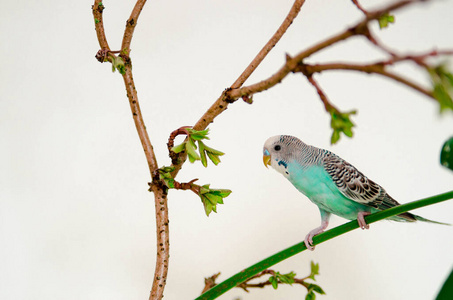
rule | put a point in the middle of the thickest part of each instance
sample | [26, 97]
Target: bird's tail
[408, 217]
[418, 218]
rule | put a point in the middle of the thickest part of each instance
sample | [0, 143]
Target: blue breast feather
[315, 183]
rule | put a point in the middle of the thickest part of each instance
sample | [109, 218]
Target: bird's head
[279, 150]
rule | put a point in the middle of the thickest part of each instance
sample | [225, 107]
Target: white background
[76, 219]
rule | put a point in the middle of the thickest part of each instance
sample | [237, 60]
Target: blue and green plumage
[330, 182]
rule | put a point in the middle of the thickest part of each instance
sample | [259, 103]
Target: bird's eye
[277, 148]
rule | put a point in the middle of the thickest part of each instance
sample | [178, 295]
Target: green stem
[330, 234]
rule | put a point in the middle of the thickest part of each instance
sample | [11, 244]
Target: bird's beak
[266, 158]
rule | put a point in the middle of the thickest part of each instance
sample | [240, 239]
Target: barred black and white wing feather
[357, 187]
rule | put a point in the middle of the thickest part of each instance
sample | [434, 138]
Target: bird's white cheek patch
[281, 167]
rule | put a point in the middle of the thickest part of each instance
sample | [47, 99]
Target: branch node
[226, 96]
[288, 57]
[175, 157]
[248, 99]
[101, 55]
[99, 8]
[209, 282]
[305, 69]
[361, 29]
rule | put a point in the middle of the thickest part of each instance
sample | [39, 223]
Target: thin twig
[175, 157]
[376, 68]
[210, 282]
[269, 45]
[357, 4]
[327, 105]
[188, 186]
[130, 25]
[97, 9]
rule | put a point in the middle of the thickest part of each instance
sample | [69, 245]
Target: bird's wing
[354, 185]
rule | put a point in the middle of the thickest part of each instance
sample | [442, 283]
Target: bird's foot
[361, 219]
[309, 238]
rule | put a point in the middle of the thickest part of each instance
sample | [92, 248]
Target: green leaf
[446, 154]
[385, 20]
[310, 296]
[179, 148]
[96, 21]
[213, 151]
[340, 122]
[335, 136]
[314, 269]
[214, 158]
[207, 204]
[195, 136]
[442, 81]
[198, 135]
[118, 64]
[204, 189]
[221, 192]
[211, 197]
[165, 176]
[201, 149]
[315, 288]
[286, 278]
[190, 149]
[274, 282]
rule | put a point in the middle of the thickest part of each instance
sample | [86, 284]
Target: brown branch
[130, 26]
[376, 68]
[327, 105]
[160, 193]
[97, 9]
[292, 63]
[138, 120]
[176, 157]
[269, 45]
[357, 4]
[188, 186]
[210, 281]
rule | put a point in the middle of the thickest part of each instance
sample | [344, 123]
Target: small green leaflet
[442, 81]
[385, 20]
[118, 64]
[205, 152]
[341, 123]
[211, 197]
[314, 270]
[281, 278]
[165, 176]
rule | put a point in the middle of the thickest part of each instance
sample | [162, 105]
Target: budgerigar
[330, 182]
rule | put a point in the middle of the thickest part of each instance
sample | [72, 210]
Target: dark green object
[446, 293]
[446, 155]
[243, 275]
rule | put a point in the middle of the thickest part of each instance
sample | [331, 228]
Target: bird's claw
[361, 220]
[309, 238]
